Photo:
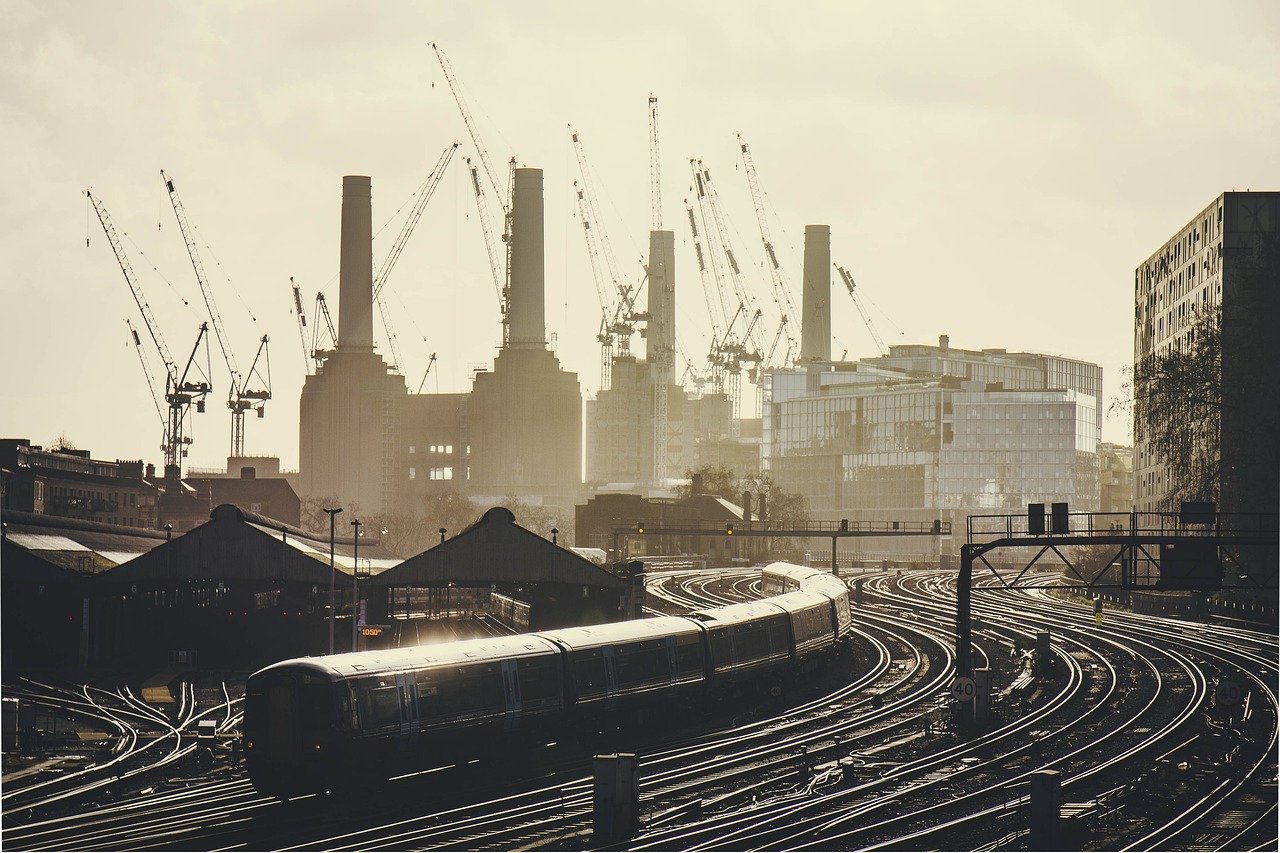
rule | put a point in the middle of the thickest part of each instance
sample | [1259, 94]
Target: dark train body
[351, 720]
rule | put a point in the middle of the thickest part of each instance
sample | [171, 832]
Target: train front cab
[289, 729]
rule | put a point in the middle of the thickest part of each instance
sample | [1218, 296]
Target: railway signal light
[1061, 521]
[1035, 519]
[728, 530]
[640, 527]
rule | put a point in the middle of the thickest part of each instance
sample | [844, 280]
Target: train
[344, 722]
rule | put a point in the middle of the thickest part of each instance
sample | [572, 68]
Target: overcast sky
[990, 171]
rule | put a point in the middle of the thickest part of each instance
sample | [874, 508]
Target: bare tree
[1176, 396]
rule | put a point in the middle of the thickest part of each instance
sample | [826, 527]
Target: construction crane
[427, 373]
[866, 319]
[302, 324]
[781, 292]
[317, 350]
[617, 297]
[388, 264]
[182, 390]
[655, 166]
[240, 398]
[502, 278]
[729, 353]
[146, 371]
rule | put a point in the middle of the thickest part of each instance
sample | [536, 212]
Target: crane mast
[180, 393]
[502, 278]
[239, 398]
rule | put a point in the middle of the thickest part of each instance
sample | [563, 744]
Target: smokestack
[815, 326]
[528, 274]
[661, 334]
[944, 342]
[355, 267]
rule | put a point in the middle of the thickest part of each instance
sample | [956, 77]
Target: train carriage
[343, 721]
[743, 639]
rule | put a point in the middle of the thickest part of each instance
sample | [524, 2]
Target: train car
[340, 721]
[347, 721]
[745, 639]
[626, 665]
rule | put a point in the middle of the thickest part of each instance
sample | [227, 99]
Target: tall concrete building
[526, 414]
[350, 408]
[645, 428]
[364, 441]
[1227, 256]
[934, 433]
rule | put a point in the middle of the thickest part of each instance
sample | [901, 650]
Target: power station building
[370, 445]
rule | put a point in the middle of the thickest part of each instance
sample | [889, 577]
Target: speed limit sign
[963, 689]
[1228, 692]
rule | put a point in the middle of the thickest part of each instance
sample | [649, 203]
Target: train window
[690, 657]
[539, 682]
[379, 705]
[589, 673]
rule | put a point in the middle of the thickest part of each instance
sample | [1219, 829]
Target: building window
[442, 473]
[413, 473]
[413, 449]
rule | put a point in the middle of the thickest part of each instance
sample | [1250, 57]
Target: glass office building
[934, 433]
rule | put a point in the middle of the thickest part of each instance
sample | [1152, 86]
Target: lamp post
[355, 582]
[332, 513]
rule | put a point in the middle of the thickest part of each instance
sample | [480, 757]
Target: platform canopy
[240, 546]
[33, 541]
[496, 550]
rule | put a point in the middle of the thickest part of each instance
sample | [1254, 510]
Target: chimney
[527, 298]
[695, 487]
[815, 325]
[746, 506]
[660, 336]
[151, 471]
[944, 342]
[764, 512]
[355, 268]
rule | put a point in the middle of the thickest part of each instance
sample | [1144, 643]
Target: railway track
[870, 763]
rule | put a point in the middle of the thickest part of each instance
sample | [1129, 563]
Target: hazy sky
[990, 171]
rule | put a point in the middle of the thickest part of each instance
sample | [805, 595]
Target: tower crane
[427, 373]
[146, 371]
[617, 300]
[240, 398]
[182, 389]
[866, 319]
[781, 292]
[322, 308]
[302, 324]
[388, 264]
[730, 353]
[501, 278]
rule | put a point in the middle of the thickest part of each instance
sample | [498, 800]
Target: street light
[355, 582]
[332, 513]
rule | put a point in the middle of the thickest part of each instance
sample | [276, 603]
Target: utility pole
[355, 582]
[332, 513]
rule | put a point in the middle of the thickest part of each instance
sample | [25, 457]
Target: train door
[610, 672]
[282, 737]
[673, 665]
[410, 724]
[511, 693]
